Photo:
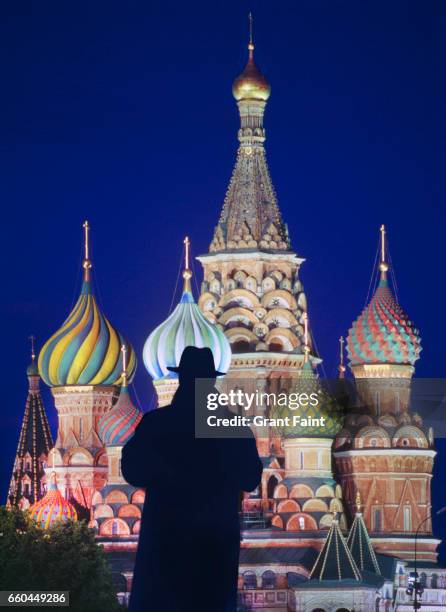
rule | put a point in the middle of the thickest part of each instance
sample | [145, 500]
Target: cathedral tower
[251, 287]
[81, 363]
[35, 441]
[384, 452]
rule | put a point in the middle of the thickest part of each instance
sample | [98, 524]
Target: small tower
[35, 442]
[359, 543]
[186, 326]
[306, 498]
[383, 450]
[81, 362]
[116, 509]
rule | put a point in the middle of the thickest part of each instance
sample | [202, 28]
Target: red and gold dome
[52, 508]
[383, 333]
[118, 426]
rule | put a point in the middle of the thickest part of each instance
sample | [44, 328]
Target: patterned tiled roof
[186, 326]
[335, 561]
[383, 334]
[118, 426]
[361, 547]
[309, 384]
[52, 508]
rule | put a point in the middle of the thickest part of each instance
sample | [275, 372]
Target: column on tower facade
[384, 451]
[81, 364]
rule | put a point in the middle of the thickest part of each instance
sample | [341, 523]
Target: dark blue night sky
[122, 113]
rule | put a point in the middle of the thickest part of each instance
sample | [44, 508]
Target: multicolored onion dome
[86, 349]
[186, 326]
[52, 508]
[118, 426]
[383, 334]
[311, 424]
[251, 84]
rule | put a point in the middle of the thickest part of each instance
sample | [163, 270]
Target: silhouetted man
[189, 544]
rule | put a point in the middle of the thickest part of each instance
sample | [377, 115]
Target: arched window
[301, 522]
[268, 580]
[114, 528]
[434, 581]
[249, 580]
[423, 579]
[276, 346]
[241, 346]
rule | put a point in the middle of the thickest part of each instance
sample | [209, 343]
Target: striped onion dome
[186, 326]
[383, 334]
[86, 349]
[118, 426]
[52, 508]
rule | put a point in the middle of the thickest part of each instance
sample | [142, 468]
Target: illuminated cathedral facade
[334, 523]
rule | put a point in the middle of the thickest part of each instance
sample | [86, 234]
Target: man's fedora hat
[197, 362]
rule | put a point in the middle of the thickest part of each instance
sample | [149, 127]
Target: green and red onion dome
[52, 508]
[118, 426]
[308, 383]
[383, 333]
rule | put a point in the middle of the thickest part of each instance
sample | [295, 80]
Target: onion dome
[251, 84]
[118, 426]
[52, 508]
[86, 349]
[383, 333]
[186, 326]
[320, 416]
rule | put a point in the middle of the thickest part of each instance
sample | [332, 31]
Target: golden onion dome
[86, 349]
[251, 84]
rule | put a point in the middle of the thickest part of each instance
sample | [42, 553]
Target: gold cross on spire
[32, 339]
[187, 272]
[358, 501]
[124, 365]
[86, 264]
[341, 366]
[306, 338]
[383, 266]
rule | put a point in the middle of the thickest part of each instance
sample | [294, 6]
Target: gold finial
[124, 365]
[86, 264]
[358, 501]
[306, 338]
[341, 366]
[383, 265]
[251, 44]
[32, 339]
[187, 273]
[335, 516]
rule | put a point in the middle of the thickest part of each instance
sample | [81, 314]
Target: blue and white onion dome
[186, 326]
